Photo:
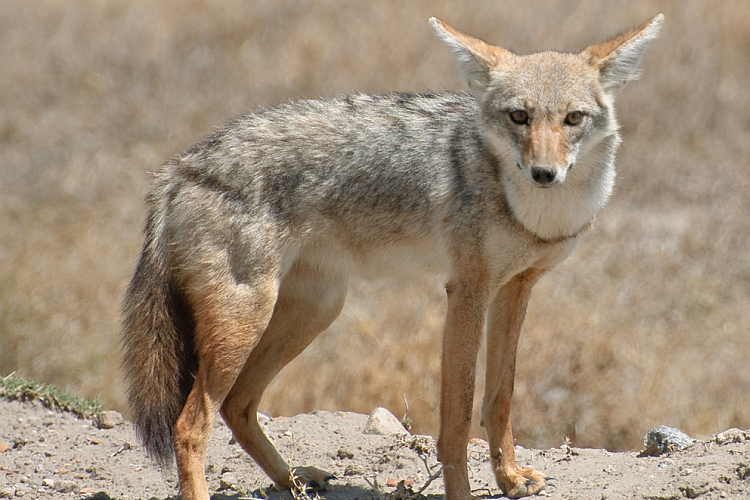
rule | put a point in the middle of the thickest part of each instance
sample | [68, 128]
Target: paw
[311, 477]
[517, 483]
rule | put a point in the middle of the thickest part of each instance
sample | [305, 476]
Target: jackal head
[548, 106]
[552, 114]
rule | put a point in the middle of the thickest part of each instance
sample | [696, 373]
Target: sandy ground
[47, 454]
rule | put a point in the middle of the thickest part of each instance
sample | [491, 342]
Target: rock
[663, 439]
[107, 419]
[60, 486]
[228, 481]
[5, 447]
[383, 422]
[22, 491]
[353, 470]
[393, 482]
[730, 436]
[8, 492]
[99, 496]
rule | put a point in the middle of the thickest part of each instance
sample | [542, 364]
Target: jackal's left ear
[475, 58]
[617, 59]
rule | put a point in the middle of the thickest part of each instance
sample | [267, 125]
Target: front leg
[506, 316]
[463, 332]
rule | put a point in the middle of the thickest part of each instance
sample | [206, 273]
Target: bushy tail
[160, 360]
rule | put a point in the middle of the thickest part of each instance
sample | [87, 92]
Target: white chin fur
[564, 209]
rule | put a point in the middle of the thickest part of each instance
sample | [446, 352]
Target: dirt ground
[48, 454]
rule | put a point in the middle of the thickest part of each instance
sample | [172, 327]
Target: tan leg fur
[506, 317]
[224, 339]
[309, 300]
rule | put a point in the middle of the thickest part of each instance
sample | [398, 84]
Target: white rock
[228, 481]
[383, 422]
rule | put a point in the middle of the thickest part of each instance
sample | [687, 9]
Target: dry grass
[646, 324]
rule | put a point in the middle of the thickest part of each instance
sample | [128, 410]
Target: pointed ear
[475, 58]
[618, 58]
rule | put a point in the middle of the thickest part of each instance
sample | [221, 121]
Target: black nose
[543, 175]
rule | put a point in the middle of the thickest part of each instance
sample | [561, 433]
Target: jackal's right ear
[617, 59]
[475, 58]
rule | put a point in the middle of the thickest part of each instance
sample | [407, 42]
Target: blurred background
[646, 324]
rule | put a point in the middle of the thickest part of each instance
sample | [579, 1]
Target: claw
[314, 478]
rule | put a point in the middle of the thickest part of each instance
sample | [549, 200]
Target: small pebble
[228, 481]
[730, 436]
[383, 422]
[393, 482]
[662, 439]
[66, 486]
[107, 419]
[353, 470]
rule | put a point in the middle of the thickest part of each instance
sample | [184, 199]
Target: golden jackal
[252, 236]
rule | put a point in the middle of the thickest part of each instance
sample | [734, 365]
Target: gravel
[48, 454]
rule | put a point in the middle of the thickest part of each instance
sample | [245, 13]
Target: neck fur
[564, 210]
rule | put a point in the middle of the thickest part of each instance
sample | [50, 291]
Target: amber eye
[574, 118]
[519, 117]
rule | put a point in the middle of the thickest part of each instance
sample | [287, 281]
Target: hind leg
[309, 300]
[229, 320]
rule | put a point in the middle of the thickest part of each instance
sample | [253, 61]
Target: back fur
[160, 360]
